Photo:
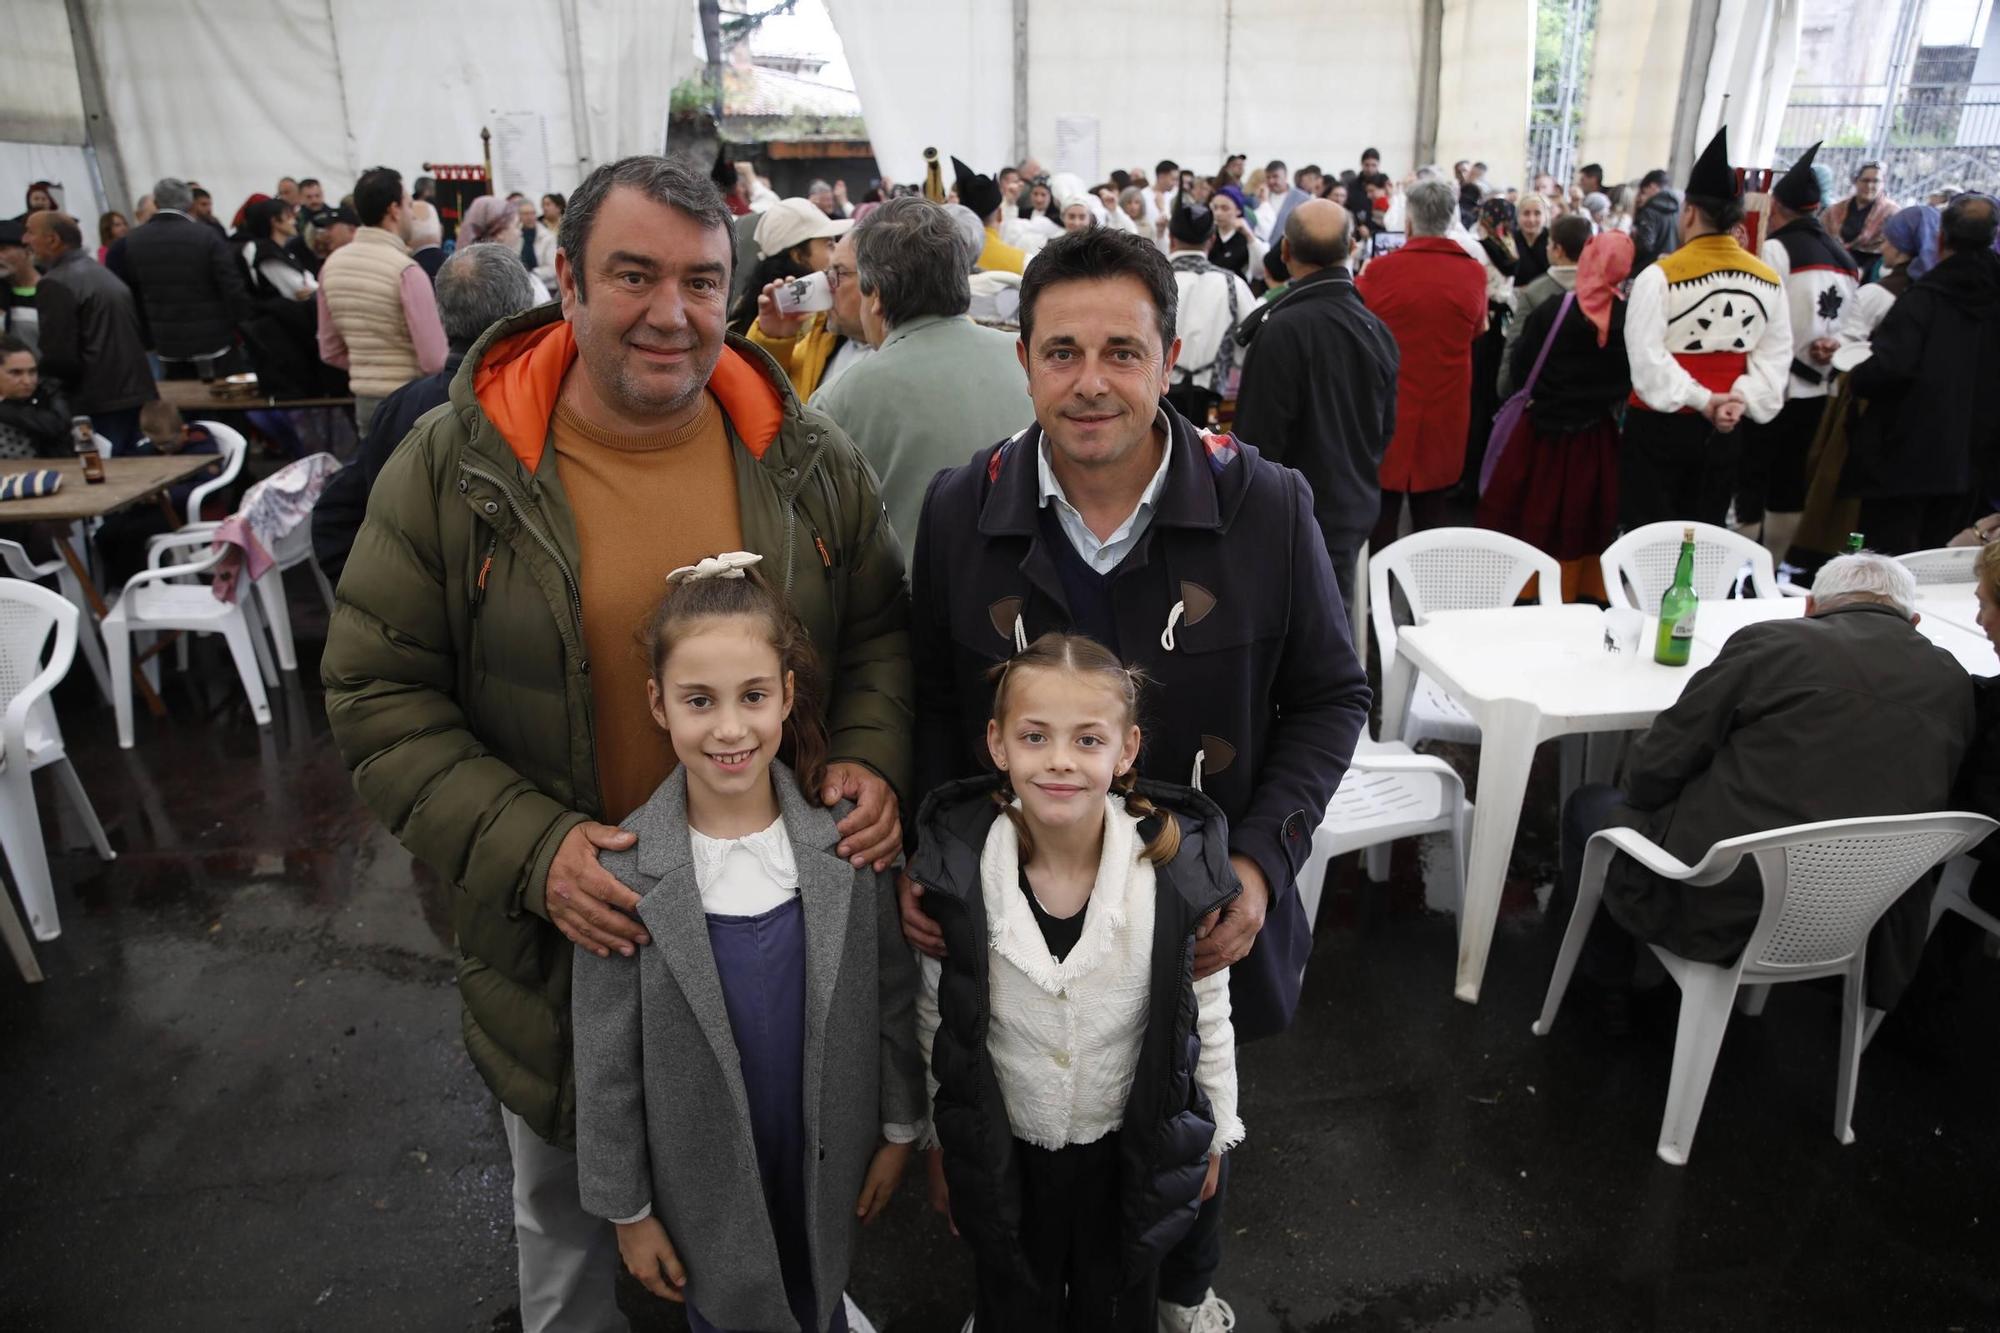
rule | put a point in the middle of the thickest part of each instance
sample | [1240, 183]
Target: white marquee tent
[235, 94]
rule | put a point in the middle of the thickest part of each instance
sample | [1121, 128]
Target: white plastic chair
[70, 586]
[1451, 569]
[230, 450]
[1825, 885]
[1954, 894]
[1945, 564]
[1388, 793]
[292, 550]
[1639, 567]
[166, 597]
[30, 739]
[1357, 613]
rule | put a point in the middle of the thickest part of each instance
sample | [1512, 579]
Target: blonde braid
[1165, 844]
[1003, 796]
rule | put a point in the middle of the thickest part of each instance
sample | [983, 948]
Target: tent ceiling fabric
[634, 53]
[1487, 59]
[1635, 68]
[941, 72]
[1170, 102]
[1318, 110]
[39, 99]
[932, 73]
[235, 95]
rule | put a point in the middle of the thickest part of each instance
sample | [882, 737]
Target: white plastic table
[1716, 621]
[1526, 674]
[1956, 603]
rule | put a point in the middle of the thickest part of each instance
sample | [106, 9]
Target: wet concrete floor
[240, 1102]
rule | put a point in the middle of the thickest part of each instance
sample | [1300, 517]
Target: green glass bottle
[1853, 544]
[1677, 608]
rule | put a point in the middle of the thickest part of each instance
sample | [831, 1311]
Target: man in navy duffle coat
[1191, 557]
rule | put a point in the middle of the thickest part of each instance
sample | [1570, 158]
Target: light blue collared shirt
[1104, 556]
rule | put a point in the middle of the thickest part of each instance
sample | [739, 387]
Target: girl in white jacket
[1083, 1082]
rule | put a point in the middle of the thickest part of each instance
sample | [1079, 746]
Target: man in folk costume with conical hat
[981, 195]
[1709, 337]
[1820, 283]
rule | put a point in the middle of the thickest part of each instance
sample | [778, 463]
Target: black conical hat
[978, 193]
[1188, 222]
[1798, 189]
[1191, 224]
[1713, 177]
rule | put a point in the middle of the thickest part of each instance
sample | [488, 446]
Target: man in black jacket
[189, 286]
[1319, 388]
[1846, 712]
[1656, 225]
[477, 288]
[1189, 555]
[1928, 446]
[91, 344]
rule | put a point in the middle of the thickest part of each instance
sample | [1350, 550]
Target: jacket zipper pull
[485, 568]
[825, 559]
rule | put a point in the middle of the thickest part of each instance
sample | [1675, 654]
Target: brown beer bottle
[85, 439]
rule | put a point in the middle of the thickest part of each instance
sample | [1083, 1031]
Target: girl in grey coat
[749, 1083]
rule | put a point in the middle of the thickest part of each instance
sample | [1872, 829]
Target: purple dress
[761, 961]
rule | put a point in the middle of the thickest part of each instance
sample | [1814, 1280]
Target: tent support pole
[579, 106]
[99, 131]
[1228, 44]
[1020, 80]
[1430, 70]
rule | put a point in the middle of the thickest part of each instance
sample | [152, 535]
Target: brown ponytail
[1083, 655]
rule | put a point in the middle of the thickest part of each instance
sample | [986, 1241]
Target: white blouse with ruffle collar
[745, 876]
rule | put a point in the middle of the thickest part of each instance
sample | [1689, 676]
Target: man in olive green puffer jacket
[458, 662]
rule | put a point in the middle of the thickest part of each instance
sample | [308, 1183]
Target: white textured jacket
[1065, 1036]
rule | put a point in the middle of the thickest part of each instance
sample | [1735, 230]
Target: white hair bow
[728, 565]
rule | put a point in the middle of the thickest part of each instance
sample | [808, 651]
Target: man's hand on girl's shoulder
[585, 901]
[872, 833]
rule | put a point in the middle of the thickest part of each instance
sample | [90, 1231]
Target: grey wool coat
[662, 1117]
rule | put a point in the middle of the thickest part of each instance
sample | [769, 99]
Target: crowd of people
[292, 289]
[1555, 307]
[873, 672]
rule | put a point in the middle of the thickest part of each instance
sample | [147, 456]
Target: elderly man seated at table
[1844, 713]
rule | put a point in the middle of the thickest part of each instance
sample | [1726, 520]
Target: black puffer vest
[1168, 1124]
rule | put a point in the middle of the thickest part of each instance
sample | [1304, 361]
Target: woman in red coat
[1432, 295]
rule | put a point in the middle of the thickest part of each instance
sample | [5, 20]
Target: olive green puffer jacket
[458, 685]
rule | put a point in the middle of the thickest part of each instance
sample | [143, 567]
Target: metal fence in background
[1937, 136]
[1565, 29]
